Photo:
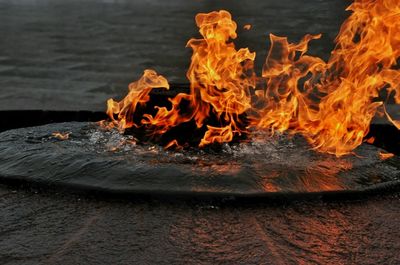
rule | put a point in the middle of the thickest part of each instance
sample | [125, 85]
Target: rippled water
[93, 158]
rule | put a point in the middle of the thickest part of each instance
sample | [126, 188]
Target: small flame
[173, 145]
[384, 156]
[330, 103]
[370, 140]
[247, 27]
[393, 121]
[61, 135]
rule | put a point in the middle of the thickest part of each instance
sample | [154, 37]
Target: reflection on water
[294, 233]
[99, 159]
[229, 232]
[273, 164]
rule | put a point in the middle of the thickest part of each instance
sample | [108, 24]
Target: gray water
[58, 228]
[97, 159]
[62, 227]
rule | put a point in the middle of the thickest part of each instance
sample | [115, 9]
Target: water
[98, 159]
[50, 228]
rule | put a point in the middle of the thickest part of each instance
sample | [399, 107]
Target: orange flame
[384, 156]
[370, 140]
[247, 27]
[138, 95]
[330, 103]
[61, 135]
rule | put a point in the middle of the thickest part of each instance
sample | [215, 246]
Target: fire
[247, 27]
[138, 95]
[385, 156]
[330, 103]
[370, 140]
[61, 135]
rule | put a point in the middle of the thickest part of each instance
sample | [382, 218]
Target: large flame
[330, 103]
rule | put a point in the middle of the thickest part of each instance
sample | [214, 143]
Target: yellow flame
[330, 103]
[61, 135]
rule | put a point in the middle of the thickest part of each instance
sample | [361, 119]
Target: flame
[370, 140]
[173, 144]
[138, 95]
[331, 103]
[384, 156]
[61, 135]
[247, 27]
[393, 121]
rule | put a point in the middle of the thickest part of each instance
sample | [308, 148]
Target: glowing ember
[330, 103]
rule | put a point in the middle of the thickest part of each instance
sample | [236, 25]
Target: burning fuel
[331, 103]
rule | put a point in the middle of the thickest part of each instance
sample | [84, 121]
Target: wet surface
[85, 156]
[49, 228]
[73, 55]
